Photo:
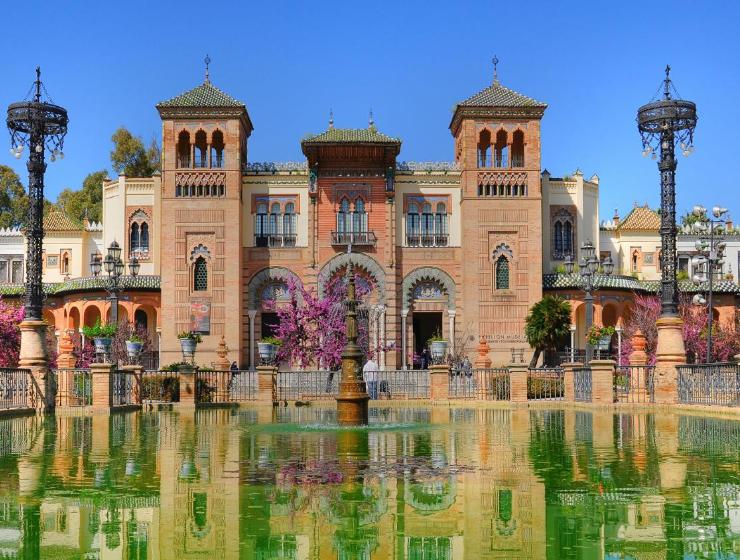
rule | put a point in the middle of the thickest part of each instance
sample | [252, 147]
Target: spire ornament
[207, 60]
[495, 69]
[331, 118]
[371, 121]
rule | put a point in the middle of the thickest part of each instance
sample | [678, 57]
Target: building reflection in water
[422, 484]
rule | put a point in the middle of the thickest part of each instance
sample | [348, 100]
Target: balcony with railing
[427, 240]
[359, 238]
[500, 161]
[275, 240]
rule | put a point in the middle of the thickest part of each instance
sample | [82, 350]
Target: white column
[382, 337]
[451, 317]
[372, 329]
[252, 314]
[404, 314]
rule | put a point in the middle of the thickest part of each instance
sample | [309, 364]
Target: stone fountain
[352, 398]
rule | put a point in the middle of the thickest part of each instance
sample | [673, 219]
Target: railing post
[439, 375]
[602, 381]
[518, 374]
[102, 386]
[186, 374]
[569, 381]
[267, 384]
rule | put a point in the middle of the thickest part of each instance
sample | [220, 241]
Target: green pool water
[420, 483]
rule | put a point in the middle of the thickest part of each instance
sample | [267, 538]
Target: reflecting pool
[417, 484]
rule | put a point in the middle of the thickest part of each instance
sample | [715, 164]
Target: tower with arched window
[497, 139]
[205, 134]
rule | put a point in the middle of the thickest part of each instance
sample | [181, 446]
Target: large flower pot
[438, 350]
[133, 349]
[604, 342]
[267, 352]
[102, 345]
[188, 346]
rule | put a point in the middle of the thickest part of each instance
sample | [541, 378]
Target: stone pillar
[602, 381]
[670, 352]
[439, 378]
[34, 356]
[482, 361]
[252, 314]
[569, 385]
[65, 361]
[382, 337]
[102, 386]
[223, 371]
[451, 318]
[639, 356]
[518, 374]
[136, 371]
[267, 384]
[404, 356]
[638, 383]
[187, 385]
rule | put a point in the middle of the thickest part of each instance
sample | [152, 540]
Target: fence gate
[582, 384]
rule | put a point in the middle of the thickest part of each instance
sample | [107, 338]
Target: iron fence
[710, 384]
[74, 387]
[307, 385]
[403, 384]
[485, 383]
[634, 384]
[125, 387]
[582, 384]
[160, 386]
[242, 385]
[224, 386]
[545, 384]
[15, 385]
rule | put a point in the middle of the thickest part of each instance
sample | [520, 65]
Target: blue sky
[594, 63]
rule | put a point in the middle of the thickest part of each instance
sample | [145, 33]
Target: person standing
[370, 375]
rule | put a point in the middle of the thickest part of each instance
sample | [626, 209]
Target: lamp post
[708, 261]
[114, 268]
[588, 274]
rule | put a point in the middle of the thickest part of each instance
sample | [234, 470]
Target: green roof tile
[88, 284]
[205, 95]
[571, 281]
[497, 95]
[358, 135]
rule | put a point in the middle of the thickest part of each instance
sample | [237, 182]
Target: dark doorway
[426, 325]
[269, 324]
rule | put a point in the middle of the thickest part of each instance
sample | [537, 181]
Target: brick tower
[204, 148]
[497, 146]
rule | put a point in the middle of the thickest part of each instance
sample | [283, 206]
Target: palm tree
[548, 322]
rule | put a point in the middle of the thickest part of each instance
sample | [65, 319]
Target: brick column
[602, 381]
[187, 385]
[102, 387]
[482, 361]
[439, 378]
[223, 372]
[518, 374]
[670, 352]
[569, 380]
[136, 372]
[267, 384]
[639, 358]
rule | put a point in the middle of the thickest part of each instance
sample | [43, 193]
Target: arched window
[562, 235]
[412, 225]
[634, 261]
[139, 234]
[289, 225]
[343, 217]
[427, 225]
[558, 237]
[568, 237]
[201, 149]
[183, 149]
[440, 227]
[260, 226]
[501, 150]
[502, 273]
[65, 263]
[200, 275]
[217, 149]
[274, 224]
[134, 237]
[144, 237]
[484, 145]
[141, 321]
[517, 149]
[359, 217]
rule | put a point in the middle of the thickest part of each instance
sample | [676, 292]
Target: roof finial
[331, 118]
[371, 121]
[38, 84]
[667, 82]
[207, 60]
[495, 69]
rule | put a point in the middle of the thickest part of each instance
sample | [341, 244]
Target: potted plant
[600, 337]
[188, 342]
[437, 348]
[267, 348]
[102, 336]
[134, 344]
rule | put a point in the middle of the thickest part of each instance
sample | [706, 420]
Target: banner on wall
[200, 317]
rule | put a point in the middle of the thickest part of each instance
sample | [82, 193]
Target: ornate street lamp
[708, 261]
[39, 126]
[662, 125]
[114, 268]
[588, 274]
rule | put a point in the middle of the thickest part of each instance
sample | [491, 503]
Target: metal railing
[546, 384]
[275, 240]
[242, 385]
[74, 387]
[225, 386]
[124, 387]
[427, 239]
[307, 385]
[490, 384]
[403, 384]
[709, 384]
[354, 237]
[634, 384]
[160, 386]
[582, 384]
[15, 385]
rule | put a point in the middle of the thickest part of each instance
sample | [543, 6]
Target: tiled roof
[571, 281]
[641, 218]
[497, 95]
[88, 284]
[368, 135]
[59, 221]
[205, 95]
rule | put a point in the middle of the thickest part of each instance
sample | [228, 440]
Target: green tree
[13, 199]
[129, 156]
[88, 200]
[689, 219]
[547, 323]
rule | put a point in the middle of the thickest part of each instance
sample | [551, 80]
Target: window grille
[502, 273]
[200, 275]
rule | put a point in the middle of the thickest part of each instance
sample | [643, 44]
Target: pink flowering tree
[10, 334]
[311, 328]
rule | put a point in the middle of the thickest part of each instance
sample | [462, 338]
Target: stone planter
[604, 342]
[267, 352]
[438, 350]
[133, 349]
[102, 345]
[188, 346]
